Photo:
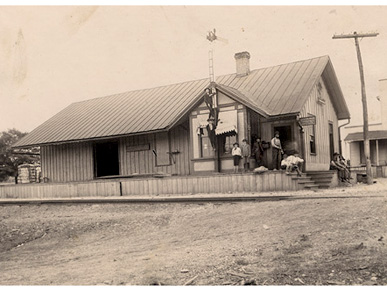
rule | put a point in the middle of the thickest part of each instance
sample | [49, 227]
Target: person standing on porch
[257, 152]
[237, 155]
[246, 153]
[276, 151]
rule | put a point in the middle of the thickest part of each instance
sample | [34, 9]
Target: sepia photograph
[223, 144]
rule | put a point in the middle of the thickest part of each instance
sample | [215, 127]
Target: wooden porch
[153, 186]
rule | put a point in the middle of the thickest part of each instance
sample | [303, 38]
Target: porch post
[377, 152]
[217, 155]
[302, 145]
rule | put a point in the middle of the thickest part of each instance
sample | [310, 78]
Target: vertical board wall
[74, 161]
[324, 113]
[144, 161]
[67, 162]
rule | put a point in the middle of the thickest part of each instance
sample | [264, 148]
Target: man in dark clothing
[258, 152]
[276, 151]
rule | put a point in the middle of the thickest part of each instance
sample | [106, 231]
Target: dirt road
[312, 242]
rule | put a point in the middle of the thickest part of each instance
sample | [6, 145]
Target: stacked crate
[29, 173]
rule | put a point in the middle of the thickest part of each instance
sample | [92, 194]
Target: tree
[11, 158]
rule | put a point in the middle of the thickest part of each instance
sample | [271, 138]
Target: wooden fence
[377, 171]
[176, 185]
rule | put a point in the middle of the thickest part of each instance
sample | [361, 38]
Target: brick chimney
[383, 101]
[242, 63]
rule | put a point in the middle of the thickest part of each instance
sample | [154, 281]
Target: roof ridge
[292, 62]
[196, 80]
[158, 108]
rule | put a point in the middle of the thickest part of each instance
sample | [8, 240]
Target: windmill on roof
[211, 98]
[211, 36]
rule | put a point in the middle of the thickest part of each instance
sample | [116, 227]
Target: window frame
[222, 149]
[201, 137]
[312, 141]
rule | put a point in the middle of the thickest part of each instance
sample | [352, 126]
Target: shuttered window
[162, 149]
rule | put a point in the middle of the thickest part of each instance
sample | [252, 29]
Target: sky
[52, 56]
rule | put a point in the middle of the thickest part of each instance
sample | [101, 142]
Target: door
[286, 137]
[106, 159]
[331, 141]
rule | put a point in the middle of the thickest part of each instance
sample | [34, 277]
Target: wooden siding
[74, 161]
[67, 162]
[58, 190]
[223, 100]
[144, 162]
[382, 152]
[355, 153]
[268, 181]
[324, 113]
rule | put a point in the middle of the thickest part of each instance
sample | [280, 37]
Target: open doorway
[286, 138]
[331, 141]
[106, 159]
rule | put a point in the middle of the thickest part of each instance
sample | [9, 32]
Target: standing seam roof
[277, 90]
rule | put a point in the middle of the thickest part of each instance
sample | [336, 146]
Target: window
[313, 140]
[227, 143]
[319, 89]
[320, 96]
[206, 149]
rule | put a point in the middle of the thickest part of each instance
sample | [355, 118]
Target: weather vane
[211, 36]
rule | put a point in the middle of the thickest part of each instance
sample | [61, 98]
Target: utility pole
[363, 98]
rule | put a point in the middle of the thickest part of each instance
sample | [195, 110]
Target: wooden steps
[314, 179]
[304, 181]
[322, 178]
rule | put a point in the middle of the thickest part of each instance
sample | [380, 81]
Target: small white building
[377, 136]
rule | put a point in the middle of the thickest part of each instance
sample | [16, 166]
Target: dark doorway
[331, 141]
[106, 159]
[286, 138]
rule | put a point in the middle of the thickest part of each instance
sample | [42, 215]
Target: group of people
[338, 163]
[280, 160]
[238, 153]
[290, 163]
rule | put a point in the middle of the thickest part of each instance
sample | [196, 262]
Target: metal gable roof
[277, 90]
[281, 89]
[117, 115]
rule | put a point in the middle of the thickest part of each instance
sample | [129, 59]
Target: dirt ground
[335, 241]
